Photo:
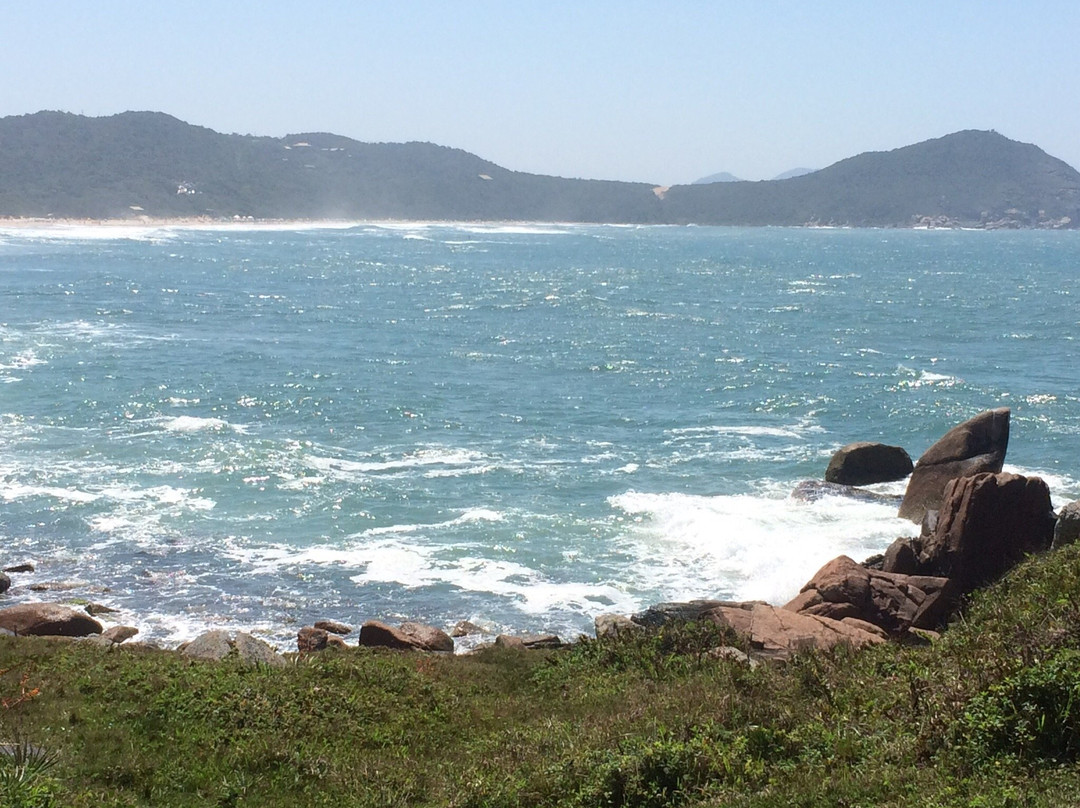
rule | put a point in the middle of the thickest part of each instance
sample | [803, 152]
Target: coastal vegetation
[985, 715]
[148, 164]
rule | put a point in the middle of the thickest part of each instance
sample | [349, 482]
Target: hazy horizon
[640, 92]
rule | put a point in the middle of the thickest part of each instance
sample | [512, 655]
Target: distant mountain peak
[723, 176]
[792, 173]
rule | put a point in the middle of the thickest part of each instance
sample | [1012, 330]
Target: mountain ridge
[57, 164]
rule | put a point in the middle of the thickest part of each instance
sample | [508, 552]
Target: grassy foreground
[987, 716]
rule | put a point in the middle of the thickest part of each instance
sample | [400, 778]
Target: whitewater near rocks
[522, 426]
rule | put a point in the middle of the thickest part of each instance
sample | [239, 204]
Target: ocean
[524, 426]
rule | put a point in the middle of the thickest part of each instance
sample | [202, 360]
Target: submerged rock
[813, 490]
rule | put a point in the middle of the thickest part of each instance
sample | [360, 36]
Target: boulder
[866, 463]
[255, 652]
[1067, 528]
[847, 591]
[902, 557]
[26, 566]
[211, 646]
[986, 525]
[538, 641]
[813, 490]
[47, 619]
[973, 447]
[310, 639]
[775, 633]
[334, 627]
[528, 642]
[612, 625]
[214, 646]
[119, 634]
[5, 583]
[406, 637]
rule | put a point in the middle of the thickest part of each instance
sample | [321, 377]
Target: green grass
[987, 716]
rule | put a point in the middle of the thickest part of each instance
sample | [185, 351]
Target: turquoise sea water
[524, 426]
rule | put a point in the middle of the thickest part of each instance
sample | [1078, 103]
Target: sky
[659, 92]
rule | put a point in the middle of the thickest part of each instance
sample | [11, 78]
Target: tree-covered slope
[58, 164]
[969, 178]
[148, 163]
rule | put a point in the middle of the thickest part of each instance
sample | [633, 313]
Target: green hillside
[55, 164]
[969, 178]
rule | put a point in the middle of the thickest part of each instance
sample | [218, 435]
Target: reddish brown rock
[310, 639]
[119, 634]
[846, 590]
[778, 633]
[973, 447]
[986, 525]
[406, 637]
[47, 619]
[901, 557]
[867, 463]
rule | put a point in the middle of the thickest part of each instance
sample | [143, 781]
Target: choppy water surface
[524, 426]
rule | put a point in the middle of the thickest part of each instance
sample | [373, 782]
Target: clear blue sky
[662, 92]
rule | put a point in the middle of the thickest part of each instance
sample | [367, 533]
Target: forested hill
[151, 164]
[969, 178]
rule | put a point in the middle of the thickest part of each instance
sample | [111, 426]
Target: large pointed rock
[986, 525]
[975, 446]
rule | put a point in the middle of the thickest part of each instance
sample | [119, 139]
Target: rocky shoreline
[975, 523]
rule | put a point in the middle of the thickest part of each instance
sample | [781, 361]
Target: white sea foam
[751, 431]
[529, 590]
[191, 423]
[422, 459]
[23, 360]
[89, 232]
[765, 547]
[10, 492]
